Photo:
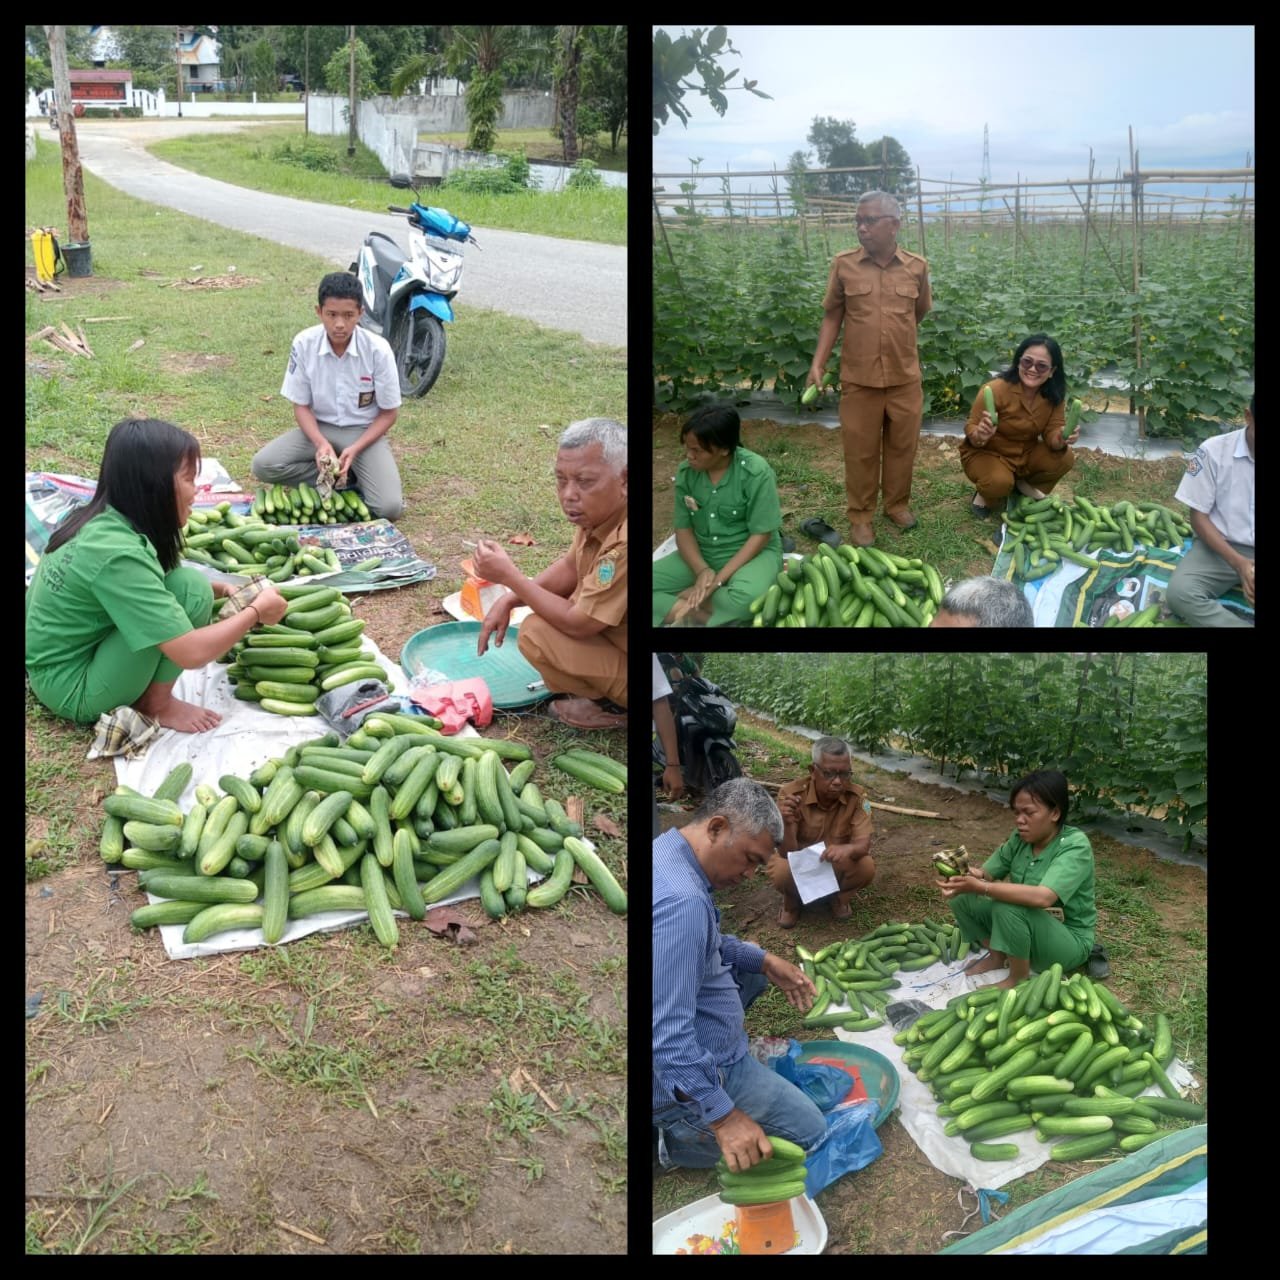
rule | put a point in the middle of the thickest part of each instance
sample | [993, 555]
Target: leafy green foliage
[306, 153]
[584, 177]
[739, 309]
[674, 60]
[1128, 730]
[337, 71]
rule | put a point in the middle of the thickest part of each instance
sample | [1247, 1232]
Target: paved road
[574, 285]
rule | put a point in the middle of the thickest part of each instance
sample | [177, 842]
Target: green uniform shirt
[107, 578]
[724, 516]
[1065, 866]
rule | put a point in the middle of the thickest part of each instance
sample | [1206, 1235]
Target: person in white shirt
[664, 725]
[345, 390]
[1218, 487]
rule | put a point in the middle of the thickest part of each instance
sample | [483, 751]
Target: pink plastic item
[454, 702]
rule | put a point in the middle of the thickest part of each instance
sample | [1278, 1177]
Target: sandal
[983, 513]
[818, 529]
[583, 713]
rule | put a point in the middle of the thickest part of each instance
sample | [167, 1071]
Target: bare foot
[1028, 489]
[984, 964]
[1008, 982]
[173, 713]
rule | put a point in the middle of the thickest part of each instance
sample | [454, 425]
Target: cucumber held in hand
[990, 404]
[810, 394]
[1073, 415]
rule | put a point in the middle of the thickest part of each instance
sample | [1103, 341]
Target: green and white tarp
[1153, 1201]
[1124, 582]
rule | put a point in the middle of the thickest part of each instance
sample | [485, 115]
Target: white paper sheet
[814, 878]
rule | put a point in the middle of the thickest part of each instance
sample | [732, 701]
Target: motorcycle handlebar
[395, 208]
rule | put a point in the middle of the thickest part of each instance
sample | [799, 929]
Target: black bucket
[79, 259]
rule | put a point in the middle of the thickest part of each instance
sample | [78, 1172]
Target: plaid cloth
[244, 595]
[122, 732]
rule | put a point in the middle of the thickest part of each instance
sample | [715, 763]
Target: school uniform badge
[1196, 465]
[691, 502]
[605, 573]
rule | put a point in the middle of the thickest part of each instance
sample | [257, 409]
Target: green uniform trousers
[730, 606]
[116, 676]
[1025, 932]
[1199, 579]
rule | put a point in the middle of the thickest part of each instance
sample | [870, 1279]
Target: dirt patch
[216, 282]
[194, 362]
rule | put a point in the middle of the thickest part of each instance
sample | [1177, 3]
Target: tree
[39, 76]
[262, 67]
[485, 48]
[79, 44]
[801, 185]
[604, 78]
[568, 82]
[72, 174]
[337, 71]
[673, 60]
[898, 177]
[837, 145]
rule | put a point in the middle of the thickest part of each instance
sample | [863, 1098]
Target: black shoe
[1097, 966]
[788, 544]
[818, 529]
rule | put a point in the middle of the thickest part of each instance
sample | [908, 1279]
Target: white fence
[201, 106]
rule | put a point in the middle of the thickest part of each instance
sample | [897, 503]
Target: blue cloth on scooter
[440, 222]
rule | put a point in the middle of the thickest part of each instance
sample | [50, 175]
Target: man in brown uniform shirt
[878, 292]
[824, 806]
[577, 634]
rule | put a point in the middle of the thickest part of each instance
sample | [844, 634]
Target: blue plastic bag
[824, 1085]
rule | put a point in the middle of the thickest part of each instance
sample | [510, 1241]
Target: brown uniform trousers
[594, 666]
[881, 397]
[1017, 450]
[841, 824]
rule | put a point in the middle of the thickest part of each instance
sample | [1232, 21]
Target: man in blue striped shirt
[711, 1098]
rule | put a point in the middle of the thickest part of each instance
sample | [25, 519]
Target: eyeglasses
[867, 222]
[831, 775]
[1038, 365]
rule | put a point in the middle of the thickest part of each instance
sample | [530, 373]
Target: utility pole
[177, 53]
[306, 81]
[351, 100]
[72, 175]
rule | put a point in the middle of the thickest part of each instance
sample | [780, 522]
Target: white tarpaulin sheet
[918, 1108]
[246, 738]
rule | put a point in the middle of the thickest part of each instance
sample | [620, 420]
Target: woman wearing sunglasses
[1025, 447]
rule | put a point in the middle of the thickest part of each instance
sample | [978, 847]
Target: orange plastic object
[471, 602]
[766, 1228]
[858, 1092]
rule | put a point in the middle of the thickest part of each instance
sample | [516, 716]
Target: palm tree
[568, 64]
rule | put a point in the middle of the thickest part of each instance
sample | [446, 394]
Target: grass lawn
[539, 144]
[434, 1099]
[1151, 919]
[359, 182]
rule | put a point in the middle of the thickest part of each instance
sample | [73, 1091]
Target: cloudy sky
[1046, 93]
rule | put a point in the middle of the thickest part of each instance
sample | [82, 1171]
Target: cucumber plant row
[398, 817]
[850, 587]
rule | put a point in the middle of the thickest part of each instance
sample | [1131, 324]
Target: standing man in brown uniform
[576, 635]
[824, 806]
[878, 292]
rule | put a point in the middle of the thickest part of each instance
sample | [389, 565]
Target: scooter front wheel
[418, 342]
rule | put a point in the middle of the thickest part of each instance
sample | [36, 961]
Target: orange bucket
[766, 1228]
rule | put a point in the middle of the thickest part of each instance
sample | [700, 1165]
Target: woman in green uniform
[111, 618]
[727, 519]
[1024, 448]
[1032, 901]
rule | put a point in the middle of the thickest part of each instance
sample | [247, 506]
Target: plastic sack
[825, 1086]
[346, 707]
[852, 1143]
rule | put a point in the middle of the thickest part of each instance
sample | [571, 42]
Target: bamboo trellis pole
[1137, 282]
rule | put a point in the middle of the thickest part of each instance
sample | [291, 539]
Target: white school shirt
[1219, 483]
[348, 390]
[661, 687]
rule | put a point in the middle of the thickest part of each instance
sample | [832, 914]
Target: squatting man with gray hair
[576, 636]
[711, 1098]
[984, 602]
[824, 806]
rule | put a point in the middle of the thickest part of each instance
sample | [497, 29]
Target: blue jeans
[775, 1104]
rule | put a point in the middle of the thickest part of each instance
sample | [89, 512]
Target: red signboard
[97, 92]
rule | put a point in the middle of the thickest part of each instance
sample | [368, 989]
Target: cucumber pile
[592, 767]
[780, 1177]
[234, 543]
[284, 667]
[399, 817]
[1042, 534]
[850, 587]
[1061, 1056]
[281, 504]
[860, 972]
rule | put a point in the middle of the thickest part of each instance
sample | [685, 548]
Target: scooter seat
[388, 258]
